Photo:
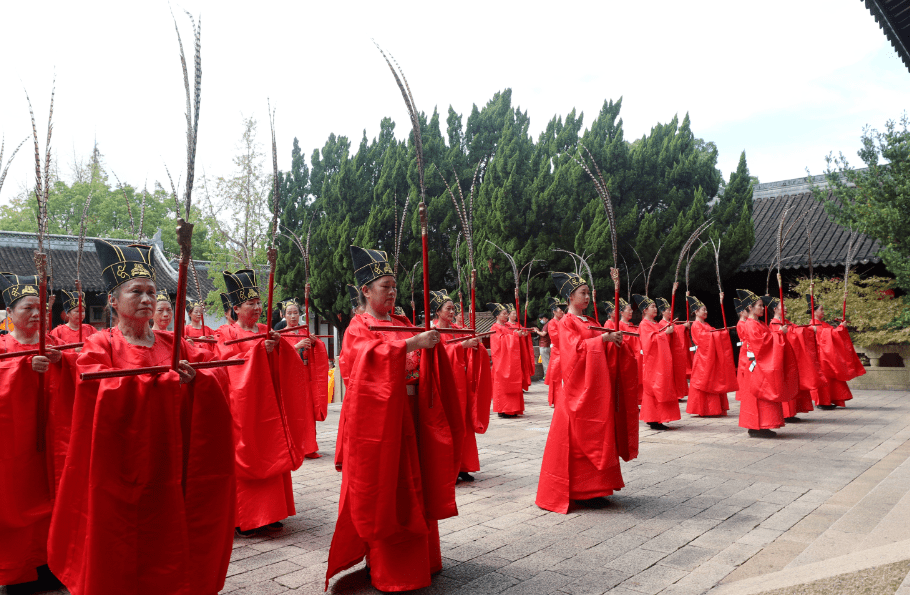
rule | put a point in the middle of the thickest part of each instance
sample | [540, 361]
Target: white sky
[788, 81]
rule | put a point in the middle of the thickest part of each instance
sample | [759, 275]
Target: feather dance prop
[852, 248]
[682, 254]
[720, 288]
[10, 160]
[465, 211]
[81, 246]
[582, 261]
[514, 271]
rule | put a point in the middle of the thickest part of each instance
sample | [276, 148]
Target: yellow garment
[331, 384]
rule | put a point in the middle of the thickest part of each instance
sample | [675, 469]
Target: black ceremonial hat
[566, 283]
[191, 305]
[226, 304]
[496, 308]
[809, 303]
[354, 295]
[162, 296]
[71, 299]
[662, 305]
[369, 265]
[747, 298]
[289, 302]
[16, 287]
[438, 299]
[738, 304]
[554, 303]
[241, 286]
[770, 302]
[510, 307]
[641, 302]
[694, 303]
[399, 311]
[120, 264]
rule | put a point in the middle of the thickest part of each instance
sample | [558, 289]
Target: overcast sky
[788, 81]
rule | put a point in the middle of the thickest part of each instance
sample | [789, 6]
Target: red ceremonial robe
[527, 356]
[345, 370]
[315, 372]
[28, 478]
[553, 377]
[393, 492]
[594, 423]
[802, 340]
[682, 359]
[191, 333]
[507, 370]
[274, 425]
[839, 363]
[146, 503]
[67, 335]
[773, 379]
[635, 346]
[660, 386]
[713, 371]
[474, 384]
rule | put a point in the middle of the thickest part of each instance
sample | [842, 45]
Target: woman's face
[513, 316]
[447, 312]
[75, 315]
[292, 315]
[666, 314]
[757, 309]
[26, 315]
[701, 313]
[249, 311]
[626, 314]
[381, 294]
[163, 315]
[580, 298]
[502, 317]
[135, 300]
[196, 314]
[650, 312]
[558, 313]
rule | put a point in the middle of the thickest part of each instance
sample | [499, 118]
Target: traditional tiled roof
[17, 250]
[829, 240]
[893, 16]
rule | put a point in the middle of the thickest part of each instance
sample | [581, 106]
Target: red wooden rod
[610, 330]
[81, 313]
[417, 329]
[37, 351]
[477, 336]
[211, 340]
[179, 310]
[722, 313]
[265, 335]
[42, 344]
[159, 369]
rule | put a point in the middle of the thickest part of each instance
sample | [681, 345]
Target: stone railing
[887, 369]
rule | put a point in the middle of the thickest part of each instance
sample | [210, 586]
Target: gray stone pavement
[703, 503]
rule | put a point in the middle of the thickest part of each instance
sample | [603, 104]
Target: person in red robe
[527, 348]
[553, 378]
[401, 440]
[595, 422]
[633, 339]
[146, 502]
[34, 445]
[315, 360]
[660, 388]
[837, 359]
[164, 312]
[273, 409]
[72, 315]
[197, 327]
[801, 340]
[768, 375]
[508, 373]
[473, 382]
[681, 344]
[229, 315]
[713, 367]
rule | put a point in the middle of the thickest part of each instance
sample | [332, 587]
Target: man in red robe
[713, 367]
[681, 346]
[553, 378]
[272, 402]
[34, 444]
[508, 373]
[838, 361]
[73, 315]
[146, 502]
[401, 456]
[801, 340]
[595, 422]
[770, 375]
[660, 386]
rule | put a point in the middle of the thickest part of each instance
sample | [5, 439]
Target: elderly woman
[73, 314]
[393, 491]
[660, 391]
[508, 370]
[594, 423]
[770, 376]
[25, 491]
[148, 489]
[713, 366]
[161, 319]
[471, 364]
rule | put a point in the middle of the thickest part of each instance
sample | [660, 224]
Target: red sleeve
[774, 377]
[713, 367]
[659, 374]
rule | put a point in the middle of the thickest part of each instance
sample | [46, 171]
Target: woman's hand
[304, 344]
[612, 338]
[471, 343]
[186, 371]
[425, 340]
[41, 363]
[688, 324]
[784, 329]
[272, 341]
[669, 329]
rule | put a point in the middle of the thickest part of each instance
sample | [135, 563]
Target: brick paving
[700, 501]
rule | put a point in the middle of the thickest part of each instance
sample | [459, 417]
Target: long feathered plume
[145, 195]
[601, 185]
[465, 210]
[126, 199]
[852, 248]
[304, 247]
[408, 97]
[688, 246]
[42, 183]
[514, 266]
[650, 268]
[399, 227]
[275, 184]
[193, 102]
[174, 190]
[458, 259]
[716, 248]
[689, 263]
[580, 260]
[88, 201]
[782, 236]
[11, 157]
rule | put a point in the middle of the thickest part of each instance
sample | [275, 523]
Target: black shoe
[245, 533]
[501, 414]
[275, 525]
[827, 407]
[599, 502]
[792, 420]
[762, 433]
[465, 476]
[658, 426]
